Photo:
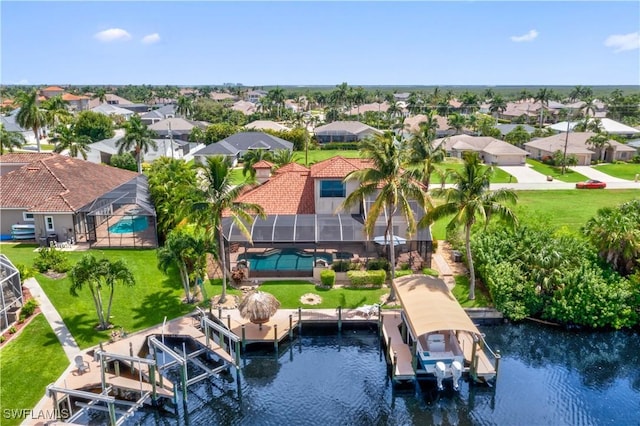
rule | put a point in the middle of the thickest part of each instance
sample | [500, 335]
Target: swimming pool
[129, 224]
[283, 260]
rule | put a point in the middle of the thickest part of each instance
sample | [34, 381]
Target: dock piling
[290, 326]
[244, 338]
[229, 321]
[339, 318]
[275, 337]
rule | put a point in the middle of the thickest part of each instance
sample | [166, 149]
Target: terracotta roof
[263, 164]
[59, 184]
[292, 167]
[70, 97]
[23, 157]
[53, 89]
[285, 193]
[338, 167]
[42, 98]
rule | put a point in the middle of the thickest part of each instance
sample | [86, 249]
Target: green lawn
[317, 155]
[29, 363]
[461, 293]
[144, 305]
[622, 171]
[288, 293]
[556, 172]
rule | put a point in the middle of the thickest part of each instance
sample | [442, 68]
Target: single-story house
[577, 145]
[254, 96]
[371, 107]
[176, 127]
[245, 107]
[151, 117]
[490, 150]
[344, 131]
[235, 146]
[11, 125]
[412, 125]
[608, 125]
[10, 161]
[266, 125]
[505, 129]
[111, 110]
[68, 198]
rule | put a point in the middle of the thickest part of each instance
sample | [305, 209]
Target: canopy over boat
[429, 305]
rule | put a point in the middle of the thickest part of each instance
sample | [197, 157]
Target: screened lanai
[11, 298]
[124, 217]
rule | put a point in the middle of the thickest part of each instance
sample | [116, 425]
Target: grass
[622, 171]
[556, 172]
[461, 293]
[141, 306]
[499, 175]
[288, 293]
[317, 155]
[29, 363]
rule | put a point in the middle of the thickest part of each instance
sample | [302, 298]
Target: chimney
[263, 171]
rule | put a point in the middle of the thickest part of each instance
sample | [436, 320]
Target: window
[27, 217]
[48, 223]
[332, 188]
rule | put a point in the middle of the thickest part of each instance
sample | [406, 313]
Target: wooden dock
[398, 353]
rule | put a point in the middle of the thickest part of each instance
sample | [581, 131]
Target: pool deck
[141, 239]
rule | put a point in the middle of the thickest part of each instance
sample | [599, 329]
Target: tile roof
[285, 193]
[59, 184]
[53, 89]
[70, 97]
[349, 127]
[263, 164]
[23, 157]
[338, 167]
[292, 167]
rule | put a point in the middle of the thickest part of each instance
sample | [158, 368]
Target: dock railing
[496, 355]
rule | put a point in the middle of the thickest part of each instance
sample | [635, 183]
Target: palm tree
[96, 274]
[67, 139]
[392, 187]
[219, 194]
[31, 116]
[186, 248]
[423, 157]
[543, 96]
[10, 140]
[137, 138]
[282, 157]
[56, 110]
[250, 158]
[429, 127]
[469, 201]
[184, 106]
[599, 142]
[498, 105]
[456, 122]
[101, 94]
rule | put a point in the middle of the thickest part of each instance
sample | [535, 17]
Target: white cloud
[151, 38]
[622, 42]
[530, 36]
[113, 34]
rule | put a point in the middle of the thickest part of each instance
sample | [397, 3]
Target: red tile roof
[69, 97]
[263, 164]
[285, 193]
[53, 89]
[292, 167]
[338, 167]
[59, 184]
[23, 157]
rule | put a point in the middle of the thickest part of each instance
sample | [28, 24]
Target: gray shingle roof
[350, 127]
[244, 141]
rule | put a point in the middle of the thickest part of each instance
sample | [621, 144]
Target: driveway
[593, 173]
[525, 174]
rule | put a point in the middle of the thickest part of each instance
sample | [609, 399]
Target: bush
[345, 146]
[429, 271]
[29, 308]
[403, 273]
[24, 271]
[374, 279]
[124, 161]
[12, 330]
[340, 266]
[405, 266]
[328, 277]
[379, 264]
[50, 258]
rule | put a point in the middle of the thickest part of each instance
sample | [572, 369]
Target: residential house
[303, 208]
[162, 113]
[110, 99]
[221, 97]
[10, 161]
[112, 110]
[254, 96]
[344, 131]
[576, 144]
[69, 198]
[505, 129]
[245, 107]
[412, 125]
[490, 150]
[266, 125]
[371, 107]
[76, 103]
[51, 91]
[176, 128]
[11, 125]
[235, 146]
[608, 125]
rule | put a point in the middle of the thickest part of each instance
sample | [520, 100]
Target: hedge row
[373, 279]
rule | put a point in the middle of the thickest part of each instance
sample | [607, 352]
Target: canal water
[547, 376]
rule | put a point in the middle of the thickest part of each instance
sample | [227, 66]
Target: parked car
[591, 184]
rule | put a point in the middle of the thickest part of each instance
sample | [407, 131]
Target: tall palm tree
[184, 106]
[101, 94]
[10, 140]
[56, 110]
[470, 201]
[138, 138]
[456, 122]
[31, 116]
[391, 186]
[250, 158]
[282, 157]
[599, 142]
[423, 157]
[67, 139]
[543, 96]
[219, 195]
[429, 127]
[498, 105]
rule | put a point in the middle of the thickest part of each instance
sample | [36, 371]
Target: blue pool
[283, 260]
[129, 224]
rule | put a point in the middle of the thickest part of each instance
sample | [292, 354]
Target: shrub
[405, 266]
[340, 266]
[378, 264]
[50, 258]
[24, 270]
[2, 339]
[373, 279]
[403, 273]
[28, 308]
[429, 271]
[12, 330]
[345, 146]
[328, 277]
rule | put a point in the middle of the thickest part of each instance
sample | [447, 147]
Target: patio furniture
[82, 366]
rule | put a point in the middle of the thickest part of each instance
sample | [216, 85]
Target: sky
[320, 43]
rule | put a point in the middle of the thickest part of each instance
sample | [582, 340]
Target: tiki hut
[258, 307]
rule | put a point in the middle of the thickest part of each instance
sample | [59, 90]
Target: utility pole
[566, 142]
[170, 139]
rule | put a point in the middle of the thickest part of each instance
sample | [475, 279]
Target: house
[505, 129]
[576, 144]
[303, 208]
[112, 110]
[51, 91]
[490, 150]
[412, 125]
[10, 161]
[371, 107]
[162, 113]
[76, 103]
[344, 131]
[235, 146]
[266, 125]
[254, 96]
[69, 198]
[245, 107]
[11, 125]
[176, 127]
[110, 99]
[221, 97]
[608, 125]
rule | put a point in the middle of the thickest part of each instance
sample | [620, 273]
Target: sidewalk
[67, 341]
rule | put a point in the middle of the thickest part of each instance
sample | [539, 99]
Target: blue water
[283, 260]
[129, 224]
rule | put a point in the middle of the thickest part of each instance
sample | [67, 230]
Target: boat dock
[398, 353]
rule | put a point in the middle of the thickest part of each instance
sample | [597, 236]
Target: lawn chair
[82, 366]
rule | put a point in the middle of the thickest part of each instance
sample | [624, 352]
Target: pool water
[129, 224]
[283, 260]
